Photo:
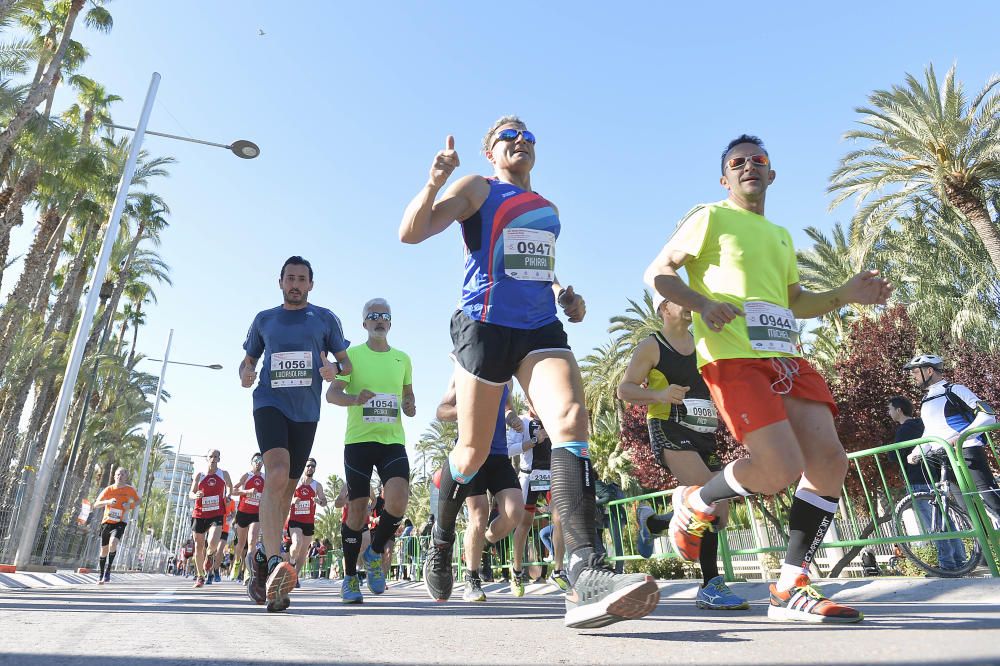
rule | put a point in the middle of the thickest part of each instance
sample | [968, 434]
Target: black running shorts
[667, 435]
[277, 431]
[107, 529]
[201, 525]
[496, 474]
[308, 529]
[244, 519]
[361, 458]
[493, 353]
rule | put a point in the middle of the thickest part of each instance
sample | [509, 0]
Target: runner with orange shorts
[746, 297]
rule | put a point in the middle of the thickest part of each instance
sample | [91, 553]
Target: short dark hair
[296, 260]
[742, 138]
[311, 460]
[902, 404]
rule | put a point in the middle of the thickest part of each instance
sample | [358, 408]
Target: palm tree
[924, 140]
[828, 264]
[436, 443]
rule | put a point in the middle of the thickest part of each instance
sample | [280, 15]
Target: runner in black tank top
[682, 421]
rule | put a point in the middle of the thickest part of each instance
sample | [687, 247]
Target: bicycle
[946, 515]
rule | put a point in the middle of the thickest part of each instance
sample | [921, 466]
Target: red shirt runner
[303, 508]
[251, 503]
[212, 503]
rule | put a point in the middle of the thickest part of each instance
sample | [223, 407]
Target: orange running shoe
[199, 582]
[805, 603]
[688, 524]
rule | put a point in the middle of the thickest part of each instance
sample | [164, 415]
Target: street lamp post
[242, 148]
[32, 520]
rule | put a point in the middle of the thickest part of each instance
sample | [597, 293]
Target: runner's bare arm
[662, 277]
[409, 401]
[229, 483]
[248, 372]
[571, 302]
[447, 409]
[336, 395]
[320, 495]
[238, 489]
[865, 288]
[423, 217]
[341, 500]
[194, 493]
[644, 359]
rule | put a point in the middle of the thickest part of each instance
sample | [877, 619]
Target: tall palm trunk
[135, 335]
[12, 214]
[35, 264]
[43, 86]
[106, 320]
[973, 208]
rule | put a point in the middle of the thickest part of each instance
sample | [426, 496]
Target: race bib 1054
[383, 408]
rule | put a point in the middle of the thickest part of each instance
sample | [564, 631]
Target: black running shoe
[601, 597]
[257, 583]
[437, 569]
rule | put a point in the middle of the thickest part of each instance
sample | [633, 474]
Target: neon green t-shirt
[740, 257]
[385, 374]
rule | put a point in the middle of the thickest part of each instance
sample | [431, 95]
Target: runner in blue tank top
[506, 326]
[497, 476]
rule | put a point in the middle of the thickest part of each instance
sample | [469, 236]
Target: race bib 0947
[529, 254]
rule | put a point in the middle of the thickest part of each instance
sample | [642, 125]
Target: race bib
[700, 415]
[115, 514]
[253, 499]
[771, 327]
[540, 480]
[302, 507]
[383, 408]
[291, 369]
[529, 254]
[210, 503]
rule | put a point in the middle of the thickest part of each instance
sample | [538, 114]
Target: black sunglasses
[375, 316]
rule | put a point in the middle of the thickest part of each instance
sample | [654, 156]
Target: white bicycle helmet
[925, 361]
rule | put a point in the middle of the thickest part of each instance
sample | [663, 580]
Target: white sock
[698, 503]
[789, 573]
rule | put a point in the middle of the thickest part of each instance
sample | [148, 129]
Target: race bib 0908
[771, 327]
[700, 415]
[383, 408]
[293, 368]
[529, 254]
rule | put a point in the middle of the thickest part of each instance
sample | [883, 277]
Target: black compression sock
[658, 524]
[808, 520]
[450, 501]
[104, 565]
[350, 541]
[385, 530]
[708, 558]
[573, 495]
[111, 560]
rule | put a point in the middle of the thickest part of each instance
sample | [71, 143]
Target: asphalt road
[161, 621]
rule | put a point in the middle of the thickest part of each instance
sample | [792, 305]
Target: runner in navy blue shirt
[294, 339]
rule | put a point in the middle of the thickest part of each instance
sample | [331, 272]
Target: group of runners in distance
[742, 363]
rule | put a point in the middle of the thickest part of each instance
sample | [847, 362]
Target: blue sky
[631, 102]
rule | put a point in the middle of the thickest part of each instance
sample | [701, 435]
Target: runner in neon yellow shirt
[377, 393]
[745, 291]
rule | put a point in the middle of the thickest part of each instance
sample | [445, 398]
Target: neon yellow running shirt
[738, 257]
[385, 374]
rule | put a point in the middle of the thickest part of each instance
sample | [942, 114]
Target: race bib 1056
[291, 369]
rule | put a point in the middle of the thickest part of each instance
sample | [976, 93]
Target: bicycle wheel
[925, 557]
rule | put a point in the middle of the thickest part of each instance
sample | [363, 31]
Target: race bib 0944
[771, 327]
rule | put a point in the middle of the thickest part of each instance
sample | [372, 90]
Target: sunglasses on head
[511, 134]
[738, 162]
[375, 316]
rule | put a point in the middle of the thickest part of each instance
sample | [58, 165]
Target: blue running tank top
[510, 245]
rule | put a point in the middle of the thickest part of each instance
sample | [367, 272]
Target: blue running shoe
[350, 591]
[208, 578]
[376, 577]
[644, 540]
[717, 596]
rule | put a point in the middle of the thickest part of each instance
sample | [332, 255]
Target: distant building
[162, 480]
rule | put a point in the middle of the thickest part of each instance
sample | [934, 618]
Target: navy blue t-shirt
[498, 447]
[290, 342]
